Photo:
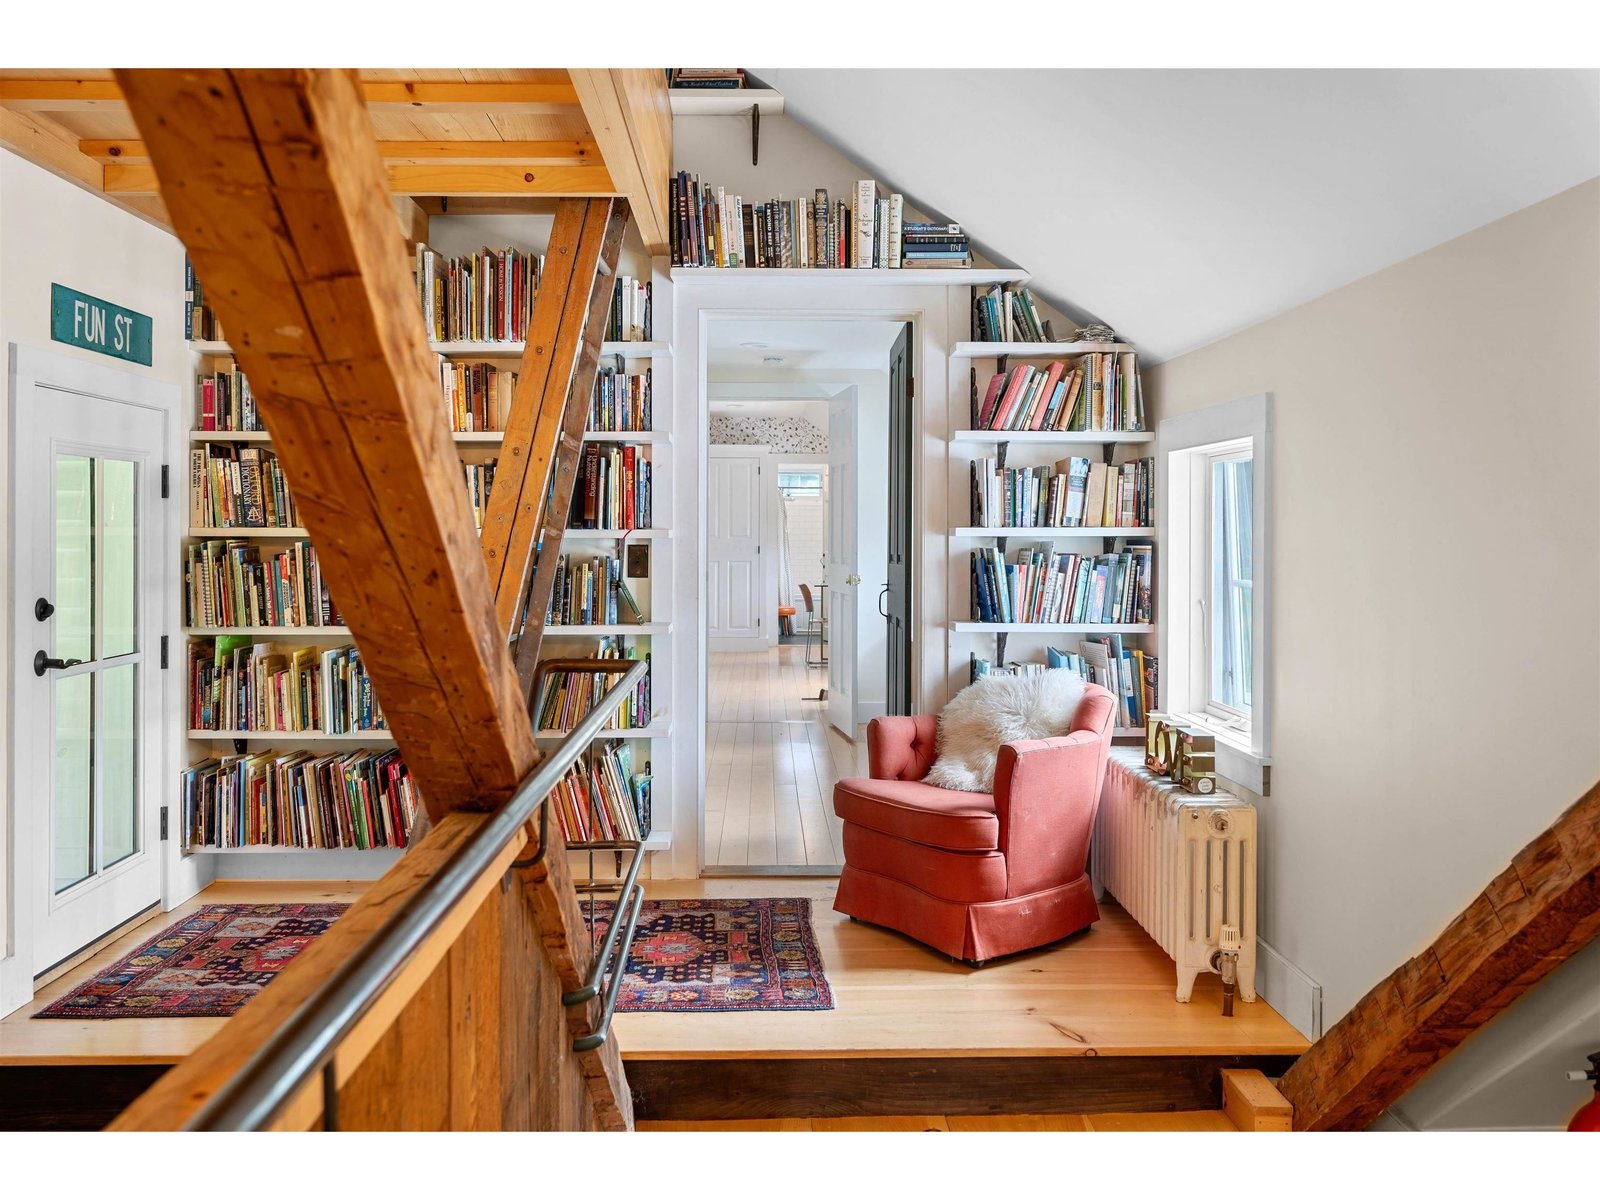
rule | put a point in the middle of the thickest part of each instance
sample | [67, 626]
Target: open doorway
[801, 561]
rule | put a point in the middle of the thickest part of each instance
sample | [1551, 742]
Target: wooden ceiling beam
[409, 179]
[63, 95]
[47, 145]
[570, 152]
[1534, 915]
[630, 116]
[275, 185]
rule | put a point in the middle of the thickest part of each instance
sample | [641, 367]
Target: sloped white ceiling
[1182, 206]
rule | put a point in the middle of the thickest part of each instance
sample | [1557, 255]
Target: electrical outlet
[638, 562]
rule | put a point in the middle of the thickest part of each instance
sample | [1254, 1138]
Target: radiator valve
[1225, 962]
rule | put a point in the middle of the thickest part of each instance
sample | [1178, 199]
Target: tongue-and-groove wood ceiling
[501, 140]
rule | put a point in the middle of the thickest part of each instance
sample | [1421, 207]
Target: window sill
[1237, 759]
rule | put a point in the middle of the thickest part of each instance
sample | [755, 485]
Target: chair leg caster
[974, 963]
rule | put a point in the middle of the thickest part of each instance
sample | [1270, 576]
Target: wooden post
[1532, 917]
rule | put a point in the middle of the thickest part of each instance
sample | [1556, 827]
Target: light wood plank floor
[771, 762]
[1108, 990]
[130, 1039]
[1191, 1122]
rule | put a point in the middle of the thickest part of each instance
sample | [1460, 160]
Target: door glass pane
[74, 779]
[118, 587]
[74, 577]
[118, 781]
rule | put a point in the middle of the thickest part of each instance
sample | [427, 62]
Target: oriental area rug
[207, 965]
[697, 956]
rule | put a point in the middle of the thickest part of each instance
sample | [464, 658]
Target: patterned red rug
[724, 956]
[207, 965]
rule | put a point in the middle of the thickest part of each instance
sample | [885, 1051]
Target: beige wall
[1437, 578]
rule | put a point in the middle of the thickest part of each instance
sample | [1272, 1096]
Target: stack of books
[613, 489]
[711, 228]
[226, 403]
[1041, 586]
[236, 685]
[590, 592]
[621, 402]
[630, 319]
[361, 800]
[480, 478]
[932, 244]
[234, 584]
[1075, 492]
[1099, 393]
[567, 697]
[238, 487]
[1007, 313]
[604, 800]
[716, 78]
[485, 296]
[1131, 674]
[200, 324]
[476, 395]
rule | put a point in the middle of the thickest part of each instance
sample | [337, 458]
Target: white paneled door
[844, 571]
[87, 701]
[736, 600]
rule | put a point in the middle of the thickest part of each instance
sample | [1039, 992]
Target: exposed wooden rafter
[630, 115]
[1537, 913]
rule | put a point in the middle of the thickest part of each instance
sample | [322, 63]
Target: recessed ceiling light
[772, 359]
[754, 345]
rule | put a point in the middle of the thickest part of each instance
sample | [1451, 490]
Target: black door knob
[42, 662]
[42, 609]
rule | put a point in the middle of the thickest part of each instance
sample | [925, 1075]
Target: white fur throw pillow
[993, 711]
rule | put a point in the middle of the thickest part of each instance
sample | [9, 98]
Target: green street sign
[94, 324]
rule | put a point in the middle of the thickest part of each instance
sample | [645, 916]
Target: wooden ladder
[531, 501]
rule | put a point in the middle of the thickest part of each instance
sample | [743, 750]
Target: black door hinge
[163, 652]
[163, 822]
[166, 481]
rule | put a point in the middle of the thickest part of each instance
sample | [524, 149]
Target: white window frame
[1186, 447]
[1226, 714]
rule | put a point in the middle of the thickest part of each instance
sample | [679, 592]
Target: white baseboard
[1295, 996]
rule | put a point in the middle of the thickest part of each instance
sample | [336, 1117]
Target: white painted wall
[1436, 567]
[53, 232]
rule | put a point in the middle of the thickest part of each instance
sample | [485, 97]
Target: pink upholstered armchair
[975, 875]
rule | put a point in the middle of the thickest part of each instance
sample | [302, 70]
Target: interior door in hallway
[844, 572]
[736, 600]
[86, 636]
[896, 608]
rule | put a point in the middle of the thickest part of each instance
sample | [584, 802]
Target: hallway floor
[772, 759]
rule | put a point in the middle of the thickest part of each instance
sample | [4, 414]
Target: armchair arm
[901, 747]
[1045, 795]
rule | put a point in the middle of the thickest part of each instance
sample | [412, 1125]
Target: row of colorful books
[1099, 393]
[238, 487]
[480, 478]
[240, 584]
[568, 696]
[713, 228]
[604, 799]
[1007, 312]
[1074, 492]
[1041, 586]
[630, 319]
[477, 395]
[236, 684]
[621, 402]
[226, 403]
[1130, 674]
[200, 323]
[358, 800]
[613, 489]
[590, 591]
[712, 78]
[485, 296]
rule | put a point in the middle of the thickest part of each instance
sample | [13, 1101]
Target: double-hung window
[1213, 617]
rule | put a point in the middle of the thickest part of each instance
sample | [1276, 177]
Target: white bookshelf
[1037, 437]
[1036, 349]
[250, 532]
[300, 633]
[463, 349]
[616, 535]
[723, 102]
[644, 629]
[290, 735]
[1052, 532]
[827, 276]
[971, 365]
[658, 728]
